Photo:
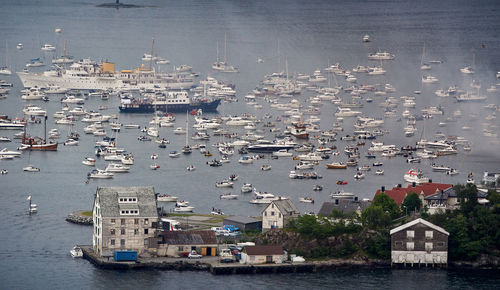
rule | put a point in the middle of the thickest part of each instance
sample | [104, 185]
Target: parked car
[194, 255]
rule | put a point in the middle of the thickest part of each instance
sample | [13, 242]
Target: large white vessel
[89, 75]
[415, 176]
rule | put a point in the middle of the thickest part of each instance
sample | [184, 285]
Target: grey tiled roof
[285, 206]
[344, 205]
[240, 219]
[448, 193]
[146, 201]
[188, 237]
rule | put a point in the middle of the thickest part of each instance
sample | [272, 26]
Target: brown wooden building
[419, 242]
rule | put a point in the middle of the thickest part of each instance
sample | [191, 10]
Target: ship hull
[96, 82]
[170, 108]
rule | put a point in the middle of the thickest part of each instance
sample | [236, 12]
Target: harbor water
[297, 36]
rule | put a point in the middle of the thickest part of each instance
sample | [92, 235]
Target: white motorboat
[366, 38]
[266, 200]
[127, 159]
[247, 187]
[48, 47]
[245, 160]
[342, 194]
[379, 172]
[34, 111]
[100, 174]
[224, 183]
[186, 208]
[191, 168]
[6, 152]
[416, 176]
[174, 154]
[117, 167]
[76, 252]
[166, 197]
[306, 199]
[228, 196]
[20, 46]
[381, 56]
[89, 161]
[154, 166]
[282, 153]
[71, 142]
[31, 168]
[265, 167]
[428, 79]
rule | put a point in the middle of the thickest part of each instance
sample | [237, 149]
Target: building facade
[278, 214]
[125, 218]
[262, 255]
[419, 242]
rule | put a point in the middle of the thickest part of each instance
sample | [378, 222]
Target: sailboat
[37, 143]
[187, 149]
[223, 66]
[5, 70]
[468, 70]
[423, 65]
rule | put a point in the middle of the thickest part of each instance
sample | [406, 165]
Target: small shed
[244, 223]
[179, 243]
[262, 255]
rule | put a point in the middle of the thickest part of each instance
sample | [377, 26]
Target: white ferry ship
[89, 75]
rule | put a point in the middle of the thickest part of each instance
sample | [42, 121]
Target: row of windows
[122, 221]
[127, 199]
[428, 234]
[272, 214]
[130, 212]
[410, 246]
[122, 242]
[122, 231]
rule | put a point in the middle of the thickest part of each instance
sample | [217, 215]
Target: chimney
[413, 184]
[399, 185]
[382, 188]
[336, 201]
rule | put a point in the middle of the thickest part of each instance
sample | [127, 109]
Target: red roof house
[398, 193]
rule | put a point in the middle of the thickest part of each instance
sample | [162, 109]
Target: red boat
[342, 182]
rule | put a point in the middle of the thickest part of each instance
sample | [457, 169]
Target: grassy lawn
[86, 213]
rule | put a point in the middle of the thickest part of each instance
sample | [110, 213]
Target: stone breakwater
[78, 218]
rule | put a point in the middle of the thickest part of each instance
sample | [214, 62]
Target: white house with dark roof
[278, 214]
[125, 218]
[419, 242]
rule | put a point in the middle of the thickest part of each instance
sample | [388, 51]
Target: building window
[113, 221]
[146, 221]
[398, 243]
[272, 213]
[122, 242]
[410, 246]
[146, 231]
[122, 231]
[272, 205]
[112, 242]
[146, 242]
[136, 231]
[279, 214]
[136, 221]
[440, 244]
[429, 234]
[265, 213]
[428, 247]
[112, 232]
[123, 222]
[410, 234]
[180, 249]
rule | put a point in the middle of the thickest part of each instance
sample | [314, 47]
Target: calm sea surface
[309, 34]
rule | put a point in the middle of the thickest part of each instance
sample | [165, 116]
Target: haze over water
[309, 35]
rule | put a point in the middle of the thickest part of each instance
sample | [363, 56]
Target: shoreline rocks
[77, 217]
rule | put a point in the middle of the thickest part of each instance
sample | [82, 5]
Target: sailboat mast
[64, 58]
[45, 130]
[152, 50]
[217, 52]
[225, 47]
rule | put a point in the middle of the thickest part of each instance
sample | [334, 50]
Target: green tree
[374, 217]
[387, 204]
[467, 195]
[411, 203]
[494, 197]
